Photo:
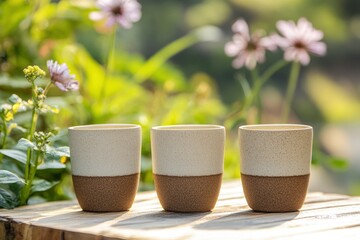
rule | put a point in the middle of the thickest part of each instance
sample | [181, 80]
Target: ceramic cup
[105, 162]
[275, 165]
[188, 165]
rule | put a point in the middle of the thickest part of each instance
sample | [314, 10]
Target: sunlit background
[170, 68]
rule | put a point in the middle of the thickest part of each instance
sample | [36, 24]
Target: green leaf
[19, 83]
[338, 163]
[14, 99]
[12, 126]
[206, 33]
[17, 155]
[7, 199]
[64, 151]
[23, 142]
[13, 83]
[51, 165]
[42, 185]
[21, 129]
[7, 177]
[54, 154]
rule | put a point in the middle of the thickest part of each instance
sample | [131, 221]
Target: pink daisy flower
[298, 40]
[247, 49]
[61, 77]
[122, 12]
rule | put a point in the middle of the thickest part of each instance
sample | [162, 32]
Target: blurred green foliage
[161, 76]
[148, 92]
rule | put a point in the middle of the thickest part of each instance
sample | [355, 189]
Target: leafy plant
[34, 151]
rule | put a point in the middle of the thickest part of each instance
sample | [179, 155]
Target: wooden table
[324, 216]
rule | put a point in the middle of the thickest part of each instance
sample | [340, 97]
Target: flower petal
[250, 61]
[318, 48]
[232, 49]
[290, 54]
[96, 16]
[239, 61]
[72, 85]
[133, 11]
[122, 12]
[287, 29]
[241, 27]
[269, 42]
[303, 27]
[61, 86]
[303, 57]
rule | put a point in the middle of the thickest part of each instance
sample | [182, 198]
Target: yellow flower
[16, 107]
[63, 159]
[9, 116]
[33, 72]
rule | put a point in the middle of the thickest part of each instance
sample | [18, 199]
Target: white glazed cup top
[105, 149]
[188, 150]
[275, 149]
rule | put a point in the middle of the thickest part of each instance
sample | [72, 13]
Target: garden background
[170, 68]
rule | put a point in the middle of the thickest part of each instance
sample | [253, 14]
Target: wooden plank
[330, 216]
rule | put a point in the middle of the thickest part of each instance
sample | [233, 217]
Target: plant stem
[5, 134]
[47, 88]
[34, 118]
[259, 83]
[30, 152]
[273, 69]
[4, 138]
[294, 76]
[34, 114]
[108, 66]
[256, 93]
[24, 195]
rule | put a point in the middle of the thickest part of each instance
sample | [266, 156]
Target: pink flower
[123, 12]
[61, 77]
[300, 40]
[248, 49]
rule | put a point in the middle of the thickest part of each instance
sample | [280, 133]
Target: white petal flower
[298, 40]
[122, 12]
[247, 49]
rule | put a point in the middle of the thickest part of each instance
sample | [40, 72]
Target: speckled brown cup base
[275, 194]
[188, 194]
[106, 194]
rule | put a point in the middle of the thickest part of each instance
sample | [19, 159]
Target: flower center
[117, 11]
[299, 44]
[251, 46]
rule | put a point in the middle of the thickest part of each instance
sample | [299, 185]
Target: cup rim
[104, 127]
[275, 127]
[188, 127]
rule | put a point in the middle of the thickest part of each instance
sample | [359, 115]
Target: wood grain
[323, 216]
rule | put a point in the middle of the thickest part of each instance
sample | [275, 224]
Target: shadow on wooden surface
[247, 220]
[161, 219]
[80, 219]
